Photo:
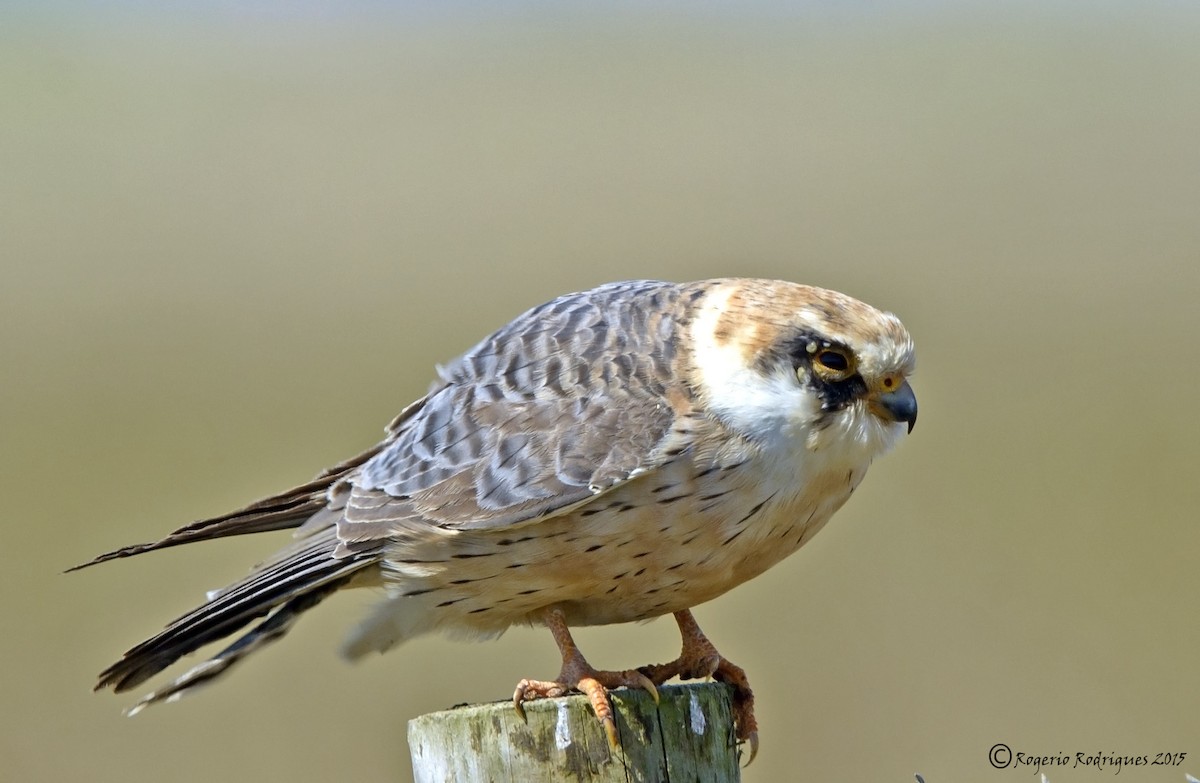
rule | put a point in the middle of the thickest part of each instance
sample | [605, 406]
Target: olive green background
[235, 242]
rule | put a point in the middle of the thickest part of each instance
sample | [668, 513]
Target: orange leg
[578, 674]
[699, 659]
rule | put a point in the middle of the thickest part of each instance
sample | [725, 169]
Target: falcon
[610, 456]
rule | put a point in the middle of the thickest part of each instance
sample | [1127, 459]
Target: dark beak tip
[901, 405]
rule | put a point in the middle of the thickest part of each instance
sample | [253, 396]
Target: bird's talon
[646, 684]
[610, 731]
[657, 673]
[519, 702]
[528, 690]
[752, 739]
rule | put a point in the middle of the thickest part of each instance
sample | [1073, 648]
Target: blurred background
[235, 241]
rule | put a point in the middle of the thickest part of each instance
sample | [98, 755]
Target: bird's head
[779, 360]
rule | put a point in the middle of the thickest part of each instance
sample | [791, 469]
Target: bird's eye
[833, 364]
[834, 360]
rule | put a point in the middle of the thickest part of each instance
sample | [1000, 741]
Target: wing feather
[569, 400]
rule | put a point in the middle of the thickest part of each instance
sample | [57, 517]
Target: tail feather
[282, 588]
[271, 629]
[295, 580]
[286, 510]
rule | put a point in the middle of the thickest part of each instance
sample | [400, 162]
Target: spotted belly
[656, 545]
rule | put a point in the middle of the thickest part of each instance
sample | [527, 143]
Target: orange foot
[699, 659]
[578, 674]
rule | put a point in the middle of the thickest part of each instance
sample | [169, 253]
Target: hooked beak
[898, 405]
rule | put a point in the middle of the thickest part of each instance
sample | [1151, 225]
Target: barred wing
[568, 400]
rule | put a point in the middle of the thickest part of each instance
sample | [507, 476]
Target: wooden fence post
[687, 736]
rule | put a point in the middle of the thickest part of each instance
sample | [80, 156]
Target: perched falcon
[612, 455]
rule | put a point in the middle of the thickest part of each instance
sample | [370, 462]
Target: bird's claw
[745, 726]
[592, 684]
[752, 739]
[610, 731]
[528, 690]
[644, 683]
[698, 660]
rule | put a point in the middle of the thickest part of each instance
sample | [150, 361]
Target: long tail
[296, 580]
[283, 587]
[286, 510]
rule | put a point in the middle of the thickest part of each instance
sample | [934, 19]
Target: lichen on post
[687, 736]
